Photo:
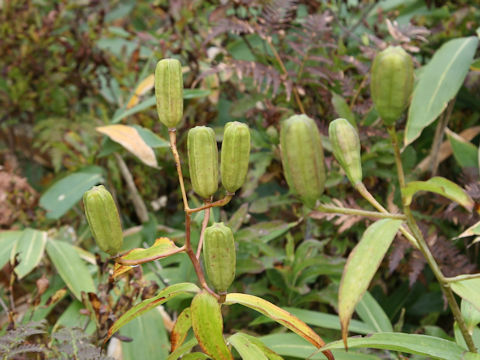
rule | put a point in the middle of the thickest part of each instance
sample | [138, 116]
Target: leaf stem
[208, 205]
[206, 217]
[173, 146]
[359, 212]
[423, 247]
[462, 277]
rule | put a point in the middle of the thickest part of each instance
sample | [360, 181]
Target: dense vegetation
[78, 109]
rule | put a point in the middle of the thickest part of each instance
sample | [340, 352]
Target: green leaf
[362, 265]
[471, 231]
[163, 296]
[161, 248]
[465, 153]
[150, 138]
[293, 346]
[343, 109]
[430, 346]
[8, 239]
[471, 315]
[246, 348]
[195, 356]
[372, 313]
[185, 348]
[270, 354]
[150, 339]
[30, 248]
[65, 193]
[468, 290]
[195, 93]
[70, 267]
[180, 329]
[319, 319]
[279, 315]
[439, 82]
[471, 356]
[441, 186]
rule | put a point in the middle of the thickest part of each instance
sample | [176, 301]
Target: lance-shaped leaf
[30, 248]
[162, 247]
[8, 240]
[181, 350]
[441, 186]
[279, 315]
[245, 348]
[207, 324]
[468, 290]
[130, 139]
[163, 296]
[249, 347]
[433, 347]
[465, 153]
[471, 231]
[439, 82]
[180, 329]
[362, 264]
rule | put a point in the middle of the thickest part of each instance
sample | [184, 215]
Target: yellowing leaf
[279, 315]
[144, 86]
[131, 140]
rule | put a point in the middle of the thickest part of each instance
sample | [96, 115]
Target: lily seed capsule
[169, 92]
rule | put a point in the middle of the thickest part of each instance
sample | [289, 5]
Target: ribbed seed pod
[207, 324]
[169, 92]
[391, 83]
[219, 256]
[235, 155]
[103, 219]
[302, 158]
[203, 160]
[346, 148]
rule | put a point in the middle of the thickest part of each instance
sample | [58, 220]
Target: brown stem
[285, 72]
[150, 258]
[206, 217]
[209, 205]
[173, 146]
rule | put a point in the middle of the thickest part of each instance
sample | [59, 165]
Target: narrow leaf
[8, 240]
[65, 193]
[371, 312]
[279, 315]
[471, 231]
[70, 267]
[180, 329]
[441, 186]
[30, 248]
[439, 82]
[468, 290]
[162, 247]
[143, 87]
[253, 341]
[343, 109]
[163, 296]
[185, 348]
[430, 346]
[362, 265]
[130, 139]
[245, 348]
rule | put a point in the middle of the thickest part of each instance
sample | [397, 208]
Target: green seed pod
[391, 83]
[203, 160]
[219, 256]
[169, 92]
[302, 158]
[235, 155]
[207, 324]
[103, 219]
[346, 148]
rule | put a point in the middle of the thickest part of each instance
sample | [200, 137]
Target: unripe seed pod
[219, 256]
[207, 324]
[169, 92]
[203, 160]
[103, 219]
[302, 158]
[346, 148]
[235, 155]
[391, 83]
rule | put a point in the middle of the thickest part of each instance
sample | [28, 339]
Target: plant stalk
[359, 212]
[423, 247]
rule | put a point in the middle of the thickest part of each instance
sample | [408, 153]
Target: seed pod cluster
[391, 83]
[169, 92]
[302, 158]
[346, 148]
[235, 155]
[103, 219]
[203, 160]
[219, 256]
